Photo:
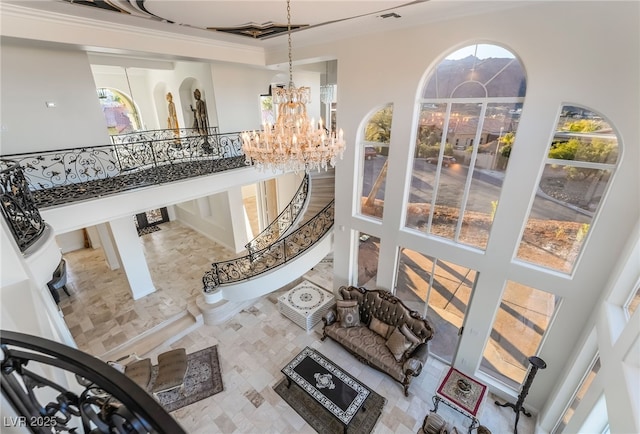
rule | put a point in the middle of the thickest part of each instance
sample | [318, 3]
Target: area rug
[147, 230]
[321, 420]
[202, 380]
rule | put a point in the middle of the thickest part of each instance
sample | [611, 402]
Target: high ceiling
[264, 22]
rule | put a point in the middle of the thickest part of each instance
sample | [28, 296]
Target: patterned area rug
[202, 380]
[324, 422]
[147, 230]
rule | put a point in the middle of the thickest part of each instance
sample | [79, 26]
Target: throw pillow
[397, 344]
[382, 328]
[348, 313]
[411, 337]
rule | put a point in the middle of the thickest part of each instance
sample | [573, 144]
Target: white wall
[38, 75]
[560, 67]
[219, 217]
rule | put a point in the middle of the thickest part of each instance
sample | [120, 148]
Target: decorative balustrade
[103, 400]
[134, 160]
[283, 222]
[276, 254]
[18, 207]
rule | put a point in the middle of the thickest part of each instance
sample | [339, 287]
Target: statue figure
[172, 120]
[201, 120]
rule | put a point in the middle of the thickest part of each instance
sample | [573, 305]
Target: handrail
[283, 222]
[18, 206]
[278, 253]
[72, 174]
[163, 134]
[110, 402]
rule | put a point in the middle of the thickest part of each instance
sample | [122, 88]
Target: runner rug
[202, 380]
[324, 422]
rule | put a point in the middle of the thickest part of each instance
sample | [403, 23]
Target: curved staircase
[297, 249]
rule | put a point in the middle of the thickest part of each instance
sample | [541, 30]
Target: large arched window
[374, 152]
[580, 162]
[119, 111]
[468, 119]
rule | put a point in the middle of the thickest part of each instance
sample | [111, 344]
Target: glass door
[439, 290]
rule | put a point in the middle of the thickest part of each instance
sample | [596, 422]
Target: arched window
[582, 156]
[468, 119]
[119, 111]
[374, 152]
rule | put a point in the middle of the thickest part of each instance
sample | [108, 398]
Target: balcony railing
[101, 400]
[18, 207]
[283, 222]
[133, 160]
[276, 254]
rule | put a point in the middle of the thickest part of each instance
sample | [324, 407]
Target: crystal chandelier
[294, 142]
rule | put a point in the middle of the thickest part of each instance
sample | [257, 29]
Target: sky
[484, 51]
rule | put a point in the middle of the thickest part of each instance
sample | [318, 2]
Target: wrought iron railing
[283, 222]
[103, 401]
[138, 160]
[157, 135]
[276, 254]
[18, 207]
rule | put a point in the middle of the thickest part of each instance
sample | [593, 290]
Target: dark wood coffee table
[342, 395]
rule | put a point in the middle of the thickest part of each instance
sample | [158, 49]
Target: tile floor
[253, 346]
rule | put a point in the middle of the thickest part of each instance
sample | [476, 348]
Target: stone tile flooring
[253, 346]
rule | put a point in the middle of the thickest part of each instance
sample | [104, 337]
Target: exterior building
[573, 55]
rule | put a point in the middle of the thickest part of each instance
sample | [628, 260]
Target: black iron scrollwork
[18, 206]
[274, 255]
[133, 160]
[283, 222]
[102, 401]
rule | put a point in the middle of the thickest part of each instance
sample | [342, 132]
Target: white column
[108, 246]
[132, 257]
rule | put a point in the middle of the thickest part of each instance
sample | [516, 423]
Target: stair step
[164, 333]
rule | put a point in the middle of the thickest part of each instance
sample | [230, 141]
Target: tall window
[632, 303]
[439, 290]
[578, 396]
[520, 324]
[374, 152]
[368, 253]
[581, 160]
[468, 119]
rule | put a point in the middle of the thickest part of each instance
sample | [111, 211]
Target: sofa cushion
[398, 344]
[380, 327]
[411, 337]
[369, 346]
[348, 313]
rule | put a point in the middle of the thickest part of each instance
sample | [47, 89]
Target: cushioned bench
[140, 372]
[172, 367]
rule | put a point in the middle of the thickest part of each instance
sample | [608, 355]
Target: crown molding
[97, 35]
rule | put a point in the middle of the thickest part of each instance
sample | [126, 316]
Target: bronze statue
[201, 120]
[172, 120]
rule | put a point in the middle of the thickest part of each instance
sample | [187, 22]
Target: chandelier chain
[289, 40]
[294, 142]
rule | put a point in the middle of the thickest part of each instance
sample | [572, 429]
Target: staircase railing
[134, 160]
[284, 220]
[103, 401]
[276, 254]
[18, 207]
